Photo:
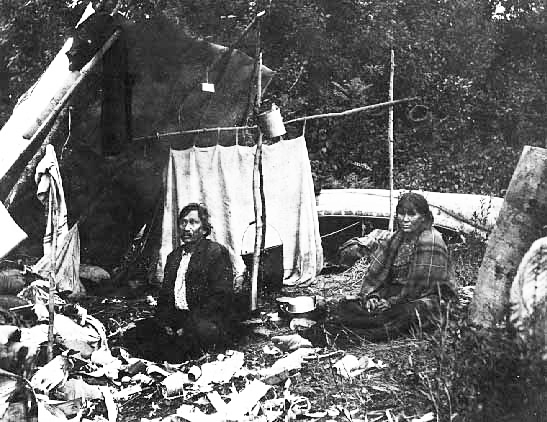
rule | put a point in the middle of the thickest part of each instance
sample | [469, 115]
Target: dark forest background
[479, 70]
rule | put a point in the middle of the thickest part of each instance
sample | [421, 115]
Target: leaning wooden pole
[27, 176]
[38, 136]
[390, 140]
[53, 269]
[256, 184]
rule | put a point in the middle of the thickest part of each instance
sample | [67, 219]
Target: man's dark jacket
[209, 287]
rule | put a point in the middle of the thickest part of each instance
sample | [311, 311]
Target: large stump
[520, 223]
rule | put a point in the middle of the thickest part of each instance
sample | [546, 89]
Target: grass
[457, 372]
[469, 373]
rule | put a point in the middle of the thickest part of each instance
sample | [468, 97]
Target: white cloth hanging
[67, 255]
[51, 194]
[221, 178]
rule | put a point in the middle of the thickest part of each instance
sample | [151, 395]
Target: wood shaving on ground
[134, 388]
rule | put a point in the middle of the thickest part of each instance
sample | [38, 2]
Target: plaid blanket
[429, 272]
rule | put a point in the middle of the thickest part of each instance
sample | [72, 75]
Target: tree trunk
[520, 222]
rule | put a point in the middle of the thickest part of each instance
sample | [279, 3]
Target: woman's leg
[394, 322]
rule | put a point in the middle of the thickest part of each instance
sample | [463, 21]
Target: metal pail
[271, 123]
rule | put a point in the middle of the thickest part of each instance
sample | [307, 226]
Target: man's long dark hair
[203, 214]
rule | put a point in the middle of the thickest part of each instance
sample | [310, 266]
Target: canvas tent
[147, 81]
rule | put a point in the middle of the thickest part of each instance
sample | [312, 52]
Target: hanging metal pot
[271, 123]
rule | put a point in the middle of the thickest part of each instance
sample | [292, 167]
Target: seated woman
[197, 308]
[406, 278]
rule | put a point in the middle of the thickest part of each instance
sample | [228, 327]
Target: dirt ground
[376, 395]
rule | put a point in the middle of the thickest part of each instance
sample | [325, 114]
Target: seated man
[406, 279]
[197, 307]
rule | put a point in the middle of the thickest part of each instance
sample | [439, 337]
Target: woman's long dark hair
[419, 203]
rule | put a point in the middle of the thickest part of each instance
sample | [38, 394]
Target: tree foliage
[479, 73]
[31, 33]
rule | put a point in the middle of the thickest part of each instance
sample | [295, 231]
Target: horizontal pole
[158, 136]
[353, 110]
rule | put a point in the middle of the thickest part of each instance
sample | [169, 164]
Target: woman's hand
[373, 304]
[170, 332]
[383, 305]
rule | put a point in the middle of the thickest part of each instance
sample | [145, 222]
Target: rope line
[341, 230]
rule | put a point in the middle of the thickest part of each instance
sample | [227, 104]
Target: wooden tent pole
[53, 268]
[256, 18]
[390, 140]
[236, 43]
[299, 119]
[27, 176]
[46, 124]
[33, 141]
[257, 179]
[83, 73]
